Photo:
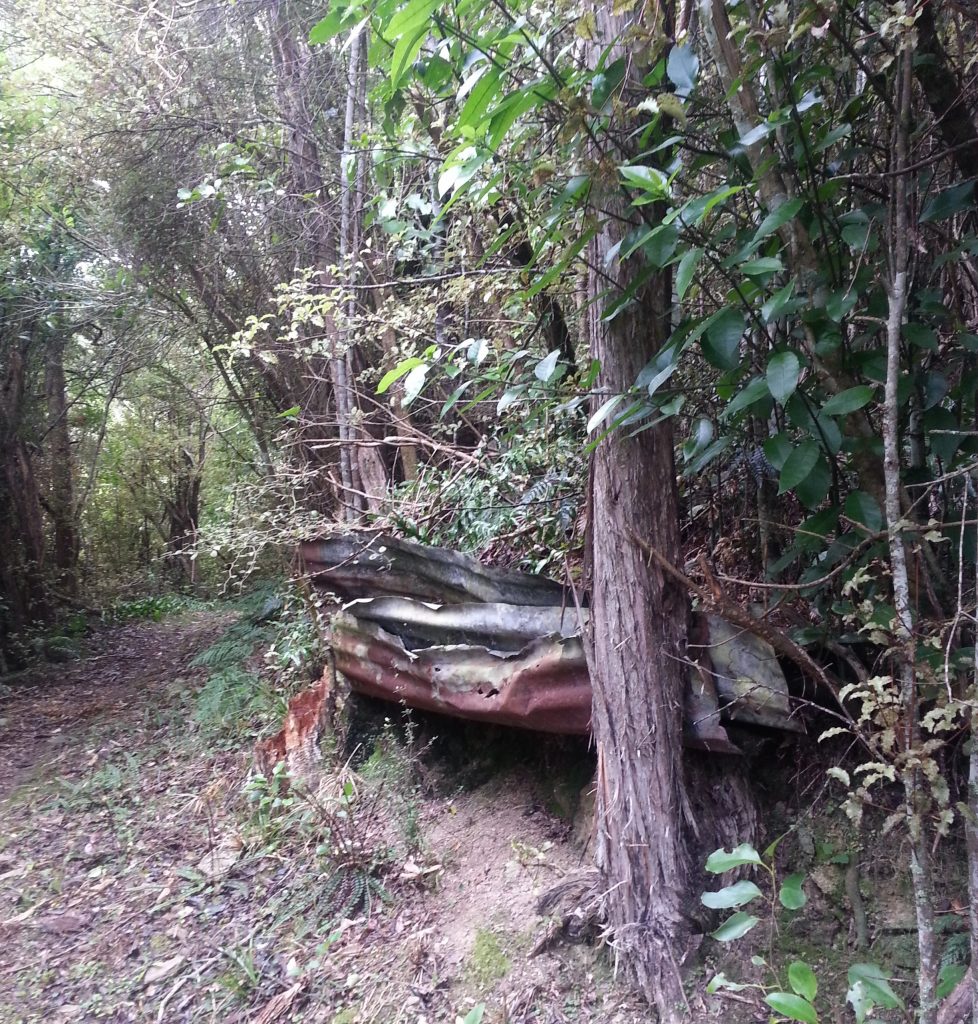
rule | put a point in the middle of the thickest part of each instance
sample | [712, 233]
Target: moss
[488, 962]
[346, 1016]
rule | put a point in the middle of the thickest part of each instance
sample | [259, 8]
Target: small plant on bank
[792, 991]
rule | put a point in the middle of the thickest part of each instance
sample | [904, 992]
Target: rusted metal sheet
[512, 662]
[542, 686]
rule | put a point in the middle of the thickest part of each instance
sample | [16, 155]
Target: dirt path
[143, 877]
[125, 671]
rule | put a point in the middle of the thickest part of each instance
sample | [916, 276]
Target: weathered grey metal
[497, 626]
[509, 661]
[368, 565]
[748, 677]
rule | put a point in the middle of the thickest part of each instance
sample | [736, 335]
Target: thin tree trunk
[904, 655]
[62, 476]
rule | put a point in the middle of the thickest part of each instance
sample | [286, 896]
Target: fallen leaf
[279, 1004]
[219, 861]
[163, 969]
[62, 924]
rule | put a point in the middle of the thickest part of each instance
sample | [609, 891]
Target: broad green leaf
[791, 1006]
[723, 333]
[763, 265]
[605, 83]
[721, 981]
[720, 860]
[776, 305]
[407, 49]
[777, 449]
[754, 392]
[649, 180]
[798, 465]
[475, 1015]
[920, 336]
[686, 270]
[545, 368]
[840, 302]
[949, 202]
[732, 896]
[785, 212]
[735, 926]
[411, 17]
[403, 367]
[682, 67]
[476, 106]
[333, 24]
[849, 400]
[877, 986]
[812, 490]
[943, 431]
[791, 894]
[603, 412]
[783, 371]
[414, 382]
[863, 508]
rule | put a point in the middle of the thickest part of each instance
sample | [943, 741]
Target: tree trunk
[638, 629]
[61, 502]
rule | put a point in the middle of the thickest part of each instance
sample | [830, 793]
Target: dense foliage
[269, 268]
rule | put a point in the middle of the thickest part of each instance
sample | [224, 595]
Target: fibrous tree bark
[638, 625]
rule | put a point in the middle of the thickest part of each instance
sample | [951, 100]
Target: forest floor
[147, 875]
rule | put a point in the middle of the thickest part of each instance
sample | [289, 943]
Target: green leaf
[411, 17]
[777, 449]
[603, 412]
[735, 895]
[849, 400]
[949, 202]
[407, 49]
[735, 926]
[338, 19]
[798, 465]
[783, 371]
[476, 106]
[840, 303]
[812, 490]
[723, 333]
[474, 1016]
[785, 212]
[876, 985]
[649, 180]
[791, 1006]
[544, 370]
[686, 270]
[778, 303]
[862, 508]
[403, 367]
[791, 894]
[802, 979]
[720, 860]
[721, 981]
[414, 382]
[762, 266]
[754, 392]
[682, 66]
